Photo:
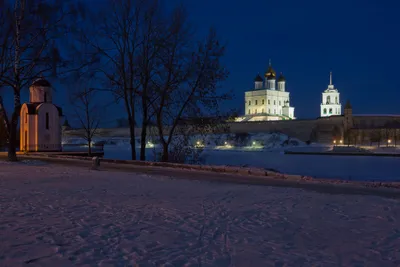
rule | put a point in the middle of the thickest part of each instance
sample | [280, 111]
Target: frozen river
[343, 167]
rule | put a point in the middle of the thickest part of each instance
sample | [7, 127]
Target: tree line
[151, 60]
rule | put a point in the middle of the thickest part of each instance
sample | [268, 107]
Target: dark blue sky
[358, 40]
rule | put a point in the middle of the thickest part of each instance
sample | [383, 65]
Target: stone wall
[300, 129]
[317, 130]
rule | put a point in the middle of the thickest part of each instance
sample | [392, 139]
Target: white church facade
[330, 105]
[40, 128]
[269, 99]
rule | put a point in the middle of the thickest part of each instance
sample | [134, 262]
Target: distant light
[334, 141]
[341, 141]
[226, 143]
[198, 143]
[389, 141]
[150, 144]
[254, 143]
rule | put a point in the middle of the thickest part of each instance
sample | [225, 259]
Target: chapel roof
[41, 82]
[32, 108]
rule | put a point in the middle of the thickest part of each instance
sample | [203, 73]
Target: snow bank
[69, 216]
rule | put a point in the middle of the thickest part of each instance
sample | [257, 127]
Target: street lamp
[341, 141]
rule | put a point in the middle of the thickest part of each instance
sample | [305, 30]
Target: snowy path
[63, 216]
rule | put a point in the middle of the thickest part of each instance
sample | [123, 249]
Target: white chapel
[331, 101]
[40, 128]
[269, 99]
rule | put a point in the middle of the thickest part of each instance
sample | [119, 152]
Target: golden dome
[270, 73]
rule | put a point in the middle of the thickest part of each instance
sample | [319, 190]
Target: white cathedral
[269, 99]
[331, 101]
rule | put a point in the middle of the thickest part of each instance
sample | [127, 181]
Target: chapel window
[47, 120]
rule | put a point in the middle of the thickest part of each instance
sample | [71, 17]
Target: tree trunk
[3, 115]
[164, 157]
[143, 139]
[90, 146]
[133, 142]
[12, 137]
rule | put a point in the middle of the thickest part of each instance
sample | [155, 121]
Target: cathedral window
[336, 100]
[269, 102]
[26, 117]
[324, 110]
[249, 103]
[269, 111]
[45, 97]
[256, 103]
[262, 101]
[328, 99]
[330, 111]
[249, 112]
[47, 120]
[274, 102]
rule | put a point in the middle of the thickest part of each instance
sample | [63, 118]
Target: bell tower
[330, 105]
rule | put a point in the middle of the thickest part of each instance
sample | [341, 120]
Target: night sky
[358, 40]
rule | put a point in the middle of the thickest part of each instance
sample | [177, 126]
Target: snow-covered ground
[266, 151]
[67, 216]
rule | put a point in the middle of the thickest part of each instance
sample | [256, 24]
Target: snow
[267, 151]
[54, 215]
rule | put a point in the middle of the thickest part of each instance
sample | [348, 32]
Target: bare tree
[336, 133]
[187, 79]
[376, 136]
[150, 35]
[29, 50]
[348, 136]
[88, 112]
[389, 131]
[116, 38]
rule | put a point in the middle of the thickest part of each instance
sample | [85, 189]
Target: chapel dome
[41, 82]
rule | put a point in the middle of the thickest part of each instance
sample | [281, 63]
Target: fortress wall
[374, 120]
[300, 129]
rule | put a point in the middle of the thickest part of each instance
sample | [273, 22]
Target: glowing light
[341, 141]
[198, 143]
[334, 141]
[226, 143]
[254, 143]
[150, 144]
[389, 141]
